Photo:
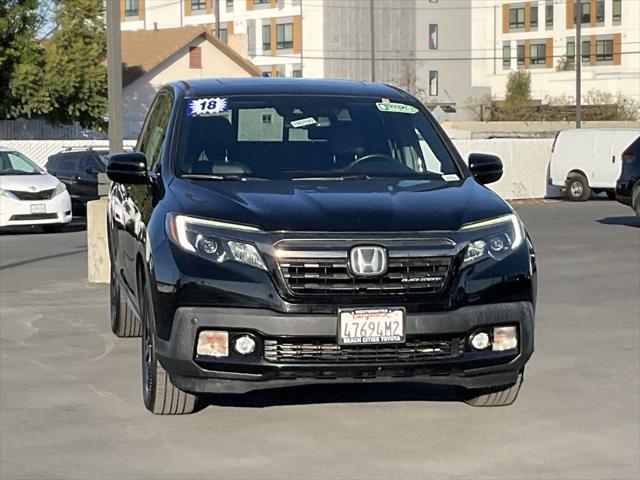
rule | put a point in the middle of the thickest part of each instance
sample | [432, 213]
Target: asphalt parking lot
[70, 401]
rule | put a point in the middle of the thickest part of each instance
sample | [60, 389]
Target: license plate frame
[37, 208]
[360, 318]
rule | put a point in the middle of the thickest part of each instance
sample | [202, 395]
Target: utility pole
[373, 43]
[578, 19]
[218, 18]
[114, 76]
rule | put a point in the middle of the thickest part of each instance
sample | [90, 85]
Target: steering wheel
[372, 157]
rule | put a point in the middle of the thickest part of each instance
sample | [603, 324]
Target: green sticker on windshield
[396, 107]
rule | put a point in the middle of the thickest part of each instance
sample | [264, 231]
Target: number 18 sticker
[198, 107]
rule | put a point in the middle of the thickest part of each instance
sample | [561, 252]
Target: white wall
[525, 160]
[525, 164]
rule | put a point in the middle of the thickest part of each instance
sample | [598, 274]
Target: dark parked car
[78, 169]
[628, 186]
[277, 232]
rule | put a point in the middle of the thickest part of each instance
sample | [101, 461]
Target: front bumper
[15, 212]
[238, 374]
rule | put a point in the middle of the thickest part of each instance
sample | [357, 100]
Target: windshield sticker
[396, 107]
[303, 122]
[201, 107]
[450, 177]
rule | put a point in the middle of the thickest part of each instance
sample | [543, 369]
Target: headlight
[496, 238]
[61, 187]
[195, 235]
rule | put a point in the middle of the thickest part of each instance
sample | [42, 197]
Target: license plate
[360, 326]
[38, 208]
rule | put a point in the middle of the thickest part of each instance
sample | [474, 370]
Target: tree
[518, 89]
[75, 75]
[20, 59]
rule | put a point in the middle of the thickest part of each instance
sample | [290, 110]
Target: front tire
[160, 396]
[494, 397]
[578, 189]
[124, 323]
[635, 200]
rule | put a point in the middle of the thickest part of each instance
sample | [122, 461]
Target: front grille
[332, 276]
[42, 195]
[415, 349]
[34, 216]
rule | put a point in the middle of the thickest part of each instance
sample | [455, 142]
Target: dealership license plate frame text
[371, 326]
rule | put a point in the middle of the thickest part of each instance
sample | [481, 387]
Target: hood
[28, 183]
[386, 205]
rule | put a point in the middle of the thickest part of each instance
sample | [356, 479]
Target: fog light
[245, 345]
[504, 338]
[480, 341]
[213, 343]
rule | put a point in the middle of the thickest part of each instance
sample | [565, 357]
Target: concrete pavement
[70, 400]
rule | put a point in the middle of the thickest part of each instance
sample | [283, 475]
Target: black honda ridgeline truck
[279, 232]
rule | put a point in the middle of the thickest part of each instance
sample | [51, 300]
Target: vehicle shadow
[336, 393]
[627, 221]
[76, 225]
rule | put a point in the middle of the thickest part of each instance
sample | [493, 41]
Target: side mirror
[485, 168]
[128, 168]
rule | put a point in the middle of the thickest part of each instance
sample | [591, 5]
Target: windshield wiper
[234, 176]
[333, 177]
[373, 176]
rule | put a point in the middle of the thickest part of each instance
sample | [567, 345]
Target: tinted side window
[87, 161]
[158, 131]
[147, 128]
[67, 162]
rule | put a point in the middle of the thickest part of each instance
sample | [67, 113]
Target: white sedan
[29, 195]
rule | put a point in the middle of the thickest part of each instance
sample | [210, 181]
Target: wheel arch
[579, 172]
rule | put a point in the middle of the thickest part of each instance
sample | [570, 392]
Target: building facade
[540, 37]
[420, 45]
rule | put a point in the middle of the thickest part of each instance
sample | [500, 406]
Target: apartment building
[540, 37]
[268, 32]
[421, 45]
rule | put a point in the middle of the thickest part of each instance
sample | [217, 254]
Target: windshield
[312, 137]
[14, 163]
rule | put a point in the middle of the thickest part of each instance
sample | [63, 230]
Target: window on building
[548, 14]
[586, 51]
[433, 36]
[604, 51]
[534, 17]
[571, 52]
[195, 57]
[284, 36]
[583, 12]
[223, 35]
[506, 55]
[131, 8]
[617, 11]
[261, 2]
[296, 73]
[229, 4]
[266, 37]
[198, 5]
[520, 54]
[433, 83]
[600, 11]
[516, 18]
[538, 53]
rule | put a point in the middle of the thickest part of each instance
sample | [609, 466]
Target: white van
[588, 160]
